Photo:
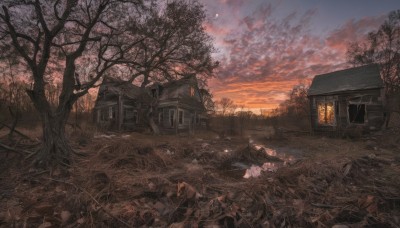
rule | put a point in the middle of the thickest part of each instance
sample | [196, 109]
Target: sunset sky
[265, 47]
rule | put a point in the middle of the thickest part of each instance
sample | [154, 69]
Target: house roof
[173, 90]
[358, 78]
[127, 89]
[169, 91]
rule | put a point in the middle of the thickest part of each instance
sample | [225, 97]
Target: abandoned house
[174, 106]
[351, 98]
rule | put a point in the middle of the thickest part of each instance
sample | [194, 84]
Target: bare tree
[176, 44]
[207, 99]
[243, 118]
[78, 42]
[65, 32]
[226, 106]
[382, 47]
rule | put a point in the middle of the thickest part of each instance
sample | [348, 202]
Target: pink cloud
[353, 31]
[263, 58]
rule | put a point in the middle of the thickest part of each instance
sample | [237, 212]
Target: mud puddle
[285, 155]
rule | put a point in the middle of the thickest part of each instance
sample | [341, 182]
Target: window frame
[325, 103]
[181, 118]
[365, 113]
[171, 118]
[192, 91]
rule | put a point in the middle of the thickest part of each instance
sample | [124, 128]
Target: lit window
[326, 113]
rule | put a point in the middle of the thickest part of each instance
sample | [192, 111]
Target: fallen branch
[324, 205]
[21, 151]
[93, 199]
[16, 131]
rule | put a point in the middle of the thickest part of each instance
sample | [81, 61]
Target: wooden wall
[374, 113]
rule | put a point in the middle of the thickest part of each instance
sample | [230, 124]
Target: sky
[265, 47]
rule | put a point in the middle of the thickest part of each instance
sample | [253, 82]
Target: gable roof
[357, 78]
[176, 90]
[112, 87]
[170, 90]
[126, 89]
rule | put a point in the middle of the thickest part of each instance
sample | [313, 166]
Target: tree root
[21, 151]
[53, 156]
[16, 131]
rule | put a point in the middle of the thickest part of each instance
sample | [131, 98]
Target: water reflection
[287, 155]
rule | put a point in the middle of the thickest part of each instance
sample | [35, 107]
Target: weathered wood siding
[374, 111]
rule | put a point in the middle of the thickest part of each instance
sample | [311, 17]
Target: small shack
[351, 98]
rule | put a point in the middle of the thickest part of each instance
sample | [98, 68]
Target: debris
[187, 192]
[136, 183]
[205, 145]
[340, 226]
[45, 209]
[45, 225]
[254, 171]
[104, 136]
[65, 216]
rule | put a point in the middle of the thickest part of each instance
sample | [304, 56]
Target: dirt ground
[137, 180]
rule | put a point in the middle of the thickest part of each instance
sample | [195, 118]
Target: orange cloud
[263, 58]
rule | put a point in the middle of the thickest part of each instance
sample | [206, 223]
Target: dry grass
[132, 181]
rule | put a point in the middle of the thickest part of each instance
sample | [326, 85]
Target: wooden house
[180, 106]
[121, 105]
[351, 98]
[175, 106]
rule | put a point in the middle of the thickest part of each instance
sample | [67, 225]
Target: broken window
[356, 113]
[111, 113]
[135, 117]
[104, 114]
[171, 117]
[326, 113]
[130, 115]
[180, 117]
[160, 117]
[154, 93]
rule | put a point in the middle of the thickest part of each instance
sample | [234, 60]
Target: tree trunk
[152, 124]
[55, 147]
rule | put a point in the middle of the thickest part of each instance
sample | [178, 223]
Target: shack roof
[357, 78]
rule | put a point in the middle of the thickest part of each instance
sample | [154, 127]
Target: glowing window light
[326, 113]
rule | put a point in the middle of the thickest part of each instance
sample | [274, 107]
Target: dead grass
[131, 181]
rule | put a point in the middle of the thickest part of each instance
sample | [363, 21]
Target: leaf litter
[127, 183]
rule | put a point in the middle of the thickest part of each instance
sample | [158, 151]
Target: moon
[216, 15]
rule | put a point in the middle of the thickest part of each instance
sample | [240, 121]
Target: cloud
[264, 55]
[353, 31]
